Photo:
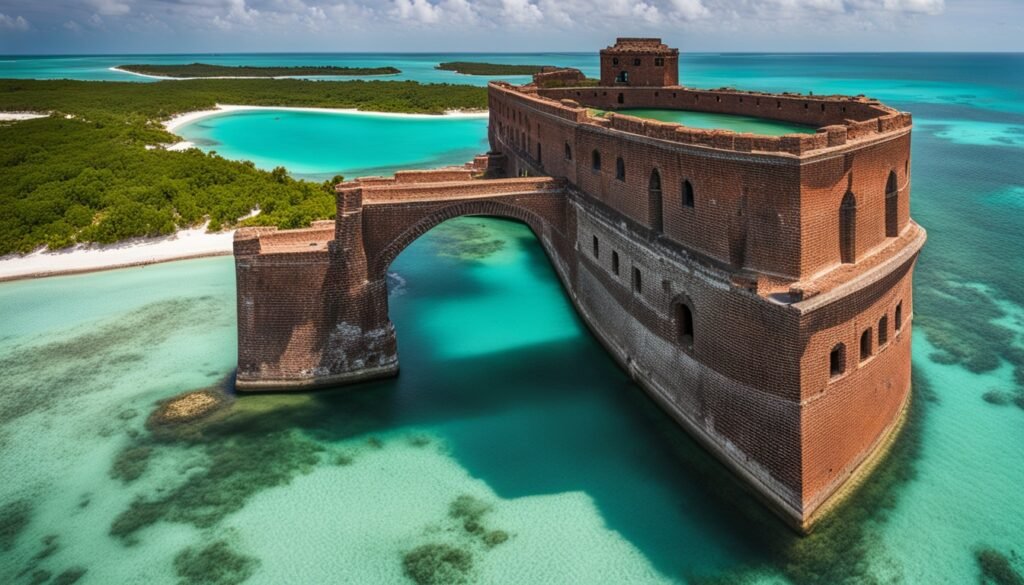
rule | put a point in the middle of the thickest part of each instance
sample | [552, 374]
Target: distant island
[194, 70]
[471, 68]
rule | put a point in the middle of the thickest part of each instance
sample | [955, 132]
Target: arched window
[595, 160]
[892, 206]
[848, 229]
[615, 262]
[865, 344]
[568, 151]
[899, 315]
[883, 330]
[837, 360]
[684, 324]
[620, 169]
[687, 194]
[597, 248]
[622, 98]
[638, 285]
[654, 200]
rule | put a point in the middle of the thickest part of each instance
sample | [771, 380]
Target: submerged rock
[996, 568]
[214, 564]
[14, 518]
[438, 564]
[187, 407]
[996, 397]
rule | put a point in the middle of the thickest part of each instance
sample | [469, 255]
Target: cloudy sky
[113, 26]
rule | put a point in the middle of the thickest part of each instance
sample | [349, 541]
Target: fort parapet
[757, 287]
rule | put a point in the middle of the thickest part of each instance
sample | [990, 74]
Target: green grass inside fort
[84, 173]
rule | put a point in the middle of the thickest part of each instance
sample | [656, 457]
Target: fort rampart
[759, 288]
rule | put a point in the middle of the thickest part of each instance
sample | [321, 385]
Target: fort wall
[759, 288]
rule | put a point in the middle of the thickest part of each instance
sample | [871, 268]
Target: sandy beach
[190, 243]
[187, 118]
[16, 116]
[169, 78]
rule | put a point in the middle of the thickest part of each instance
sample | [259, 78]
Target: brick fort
[757, 287]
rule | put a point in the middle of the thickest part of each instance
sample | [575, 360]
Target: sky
[195, 26]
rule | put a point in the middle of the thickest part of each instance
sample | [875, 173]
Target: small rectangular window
[636, 62]
[899, 316]
[637, 281]
[865, 345]
[615, 263]
[659, 61]
[597, 248]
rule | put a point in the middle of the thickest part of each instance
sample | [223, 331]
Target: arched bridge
[313, 303]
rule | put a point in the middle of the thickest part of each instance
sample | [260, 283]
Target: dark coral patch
[215, 564]
[438, 564]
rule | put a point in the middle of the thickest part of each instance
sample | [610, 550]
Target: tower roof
[645, 45]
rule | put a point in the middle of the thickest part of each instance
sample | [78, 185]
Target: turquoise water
[318, 146]
[506, 399]
[714, 121]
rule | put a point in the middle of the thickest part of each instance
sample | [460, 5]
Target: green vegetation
[84, 173]
[207, 70]
[438, 564]
[215, 564]
[471, 68]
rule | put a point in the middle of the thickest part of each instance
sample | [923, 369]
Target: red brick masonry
[759, 288]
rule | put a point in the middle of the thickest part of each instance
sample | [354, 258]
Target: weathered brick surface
[724, 291]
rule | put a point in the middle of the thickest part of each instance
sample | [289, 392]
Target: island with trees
[471, 68]
[205, 70]
[84, 173]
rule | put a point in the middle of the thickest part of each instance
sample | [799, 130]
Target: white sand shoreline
[187, 118]
[185, 244]
[311, 77]
[17, 116]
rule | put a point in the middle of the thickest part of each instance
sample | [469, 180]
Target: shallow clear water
[318, 146]
[712, 121]
[505, 398]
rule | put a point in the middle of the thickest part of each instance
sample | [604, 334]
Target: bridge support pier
[308, 313]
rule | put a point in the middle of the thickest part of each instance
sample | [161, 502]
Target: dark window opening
[620, 169]
[636, 61]
[615, 262]
[899, 316]
[865, 345]
[539, 160]
[615, 60]
[568, 151]
[684, 324]
[883, 330]
[822, 107]
[848, 229]
[892, 206]
[837, 360]
[621, 98]
[595, 160]
[659, 61]
[654, 201]
[637, 283]
[622, 77]
[597, 248]
[687, 194]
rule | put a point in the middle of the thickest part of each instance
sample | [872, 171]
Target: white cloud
[111, 7]
[13, 22]
[521, 12]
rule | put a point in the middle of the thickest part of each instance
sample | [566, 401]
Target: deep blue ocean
[510, 449]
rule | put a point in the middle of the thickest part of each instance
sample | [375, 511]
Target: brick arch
[380, 262]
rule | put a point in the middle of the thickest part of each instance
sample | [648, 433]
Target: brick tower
[639, 62]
